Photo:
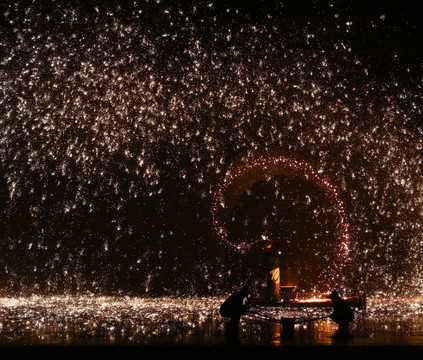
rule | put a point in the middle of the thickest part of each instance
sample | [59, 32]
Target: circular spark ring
[240, 177]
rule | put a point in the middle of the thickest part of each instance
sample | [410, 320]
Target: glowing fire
[313, 299]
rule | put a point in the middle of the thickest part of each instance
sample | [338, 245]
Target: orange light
[313, 299]
[276, 276]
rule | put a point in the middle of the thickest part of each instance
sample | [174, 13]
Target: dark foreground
[214, 352]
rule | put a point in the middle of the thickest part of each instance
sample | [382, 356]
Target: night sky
[120, 121]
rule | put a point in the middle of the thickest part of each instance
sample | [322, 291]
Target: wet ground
[192, 327]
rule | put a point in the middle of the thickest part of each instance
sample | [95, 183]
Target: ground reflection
[92, 320]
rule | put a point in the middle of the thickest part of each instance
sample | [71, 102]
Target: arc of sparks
[241, 176]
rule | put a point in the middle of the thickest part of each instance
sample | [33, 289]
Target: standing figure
[342, 313]
[271, 268]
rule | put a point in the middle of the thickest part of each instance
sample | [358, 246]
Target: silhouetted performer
[271, 268]
[233, 308]
[342, 313]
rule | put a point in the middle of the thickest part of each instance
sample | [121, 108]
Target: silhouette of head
[245, 289]
[333, 295]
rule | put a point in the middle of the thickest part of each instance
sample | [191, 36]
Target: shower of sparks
[63, 319]
[68, 320]
[118, 121]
